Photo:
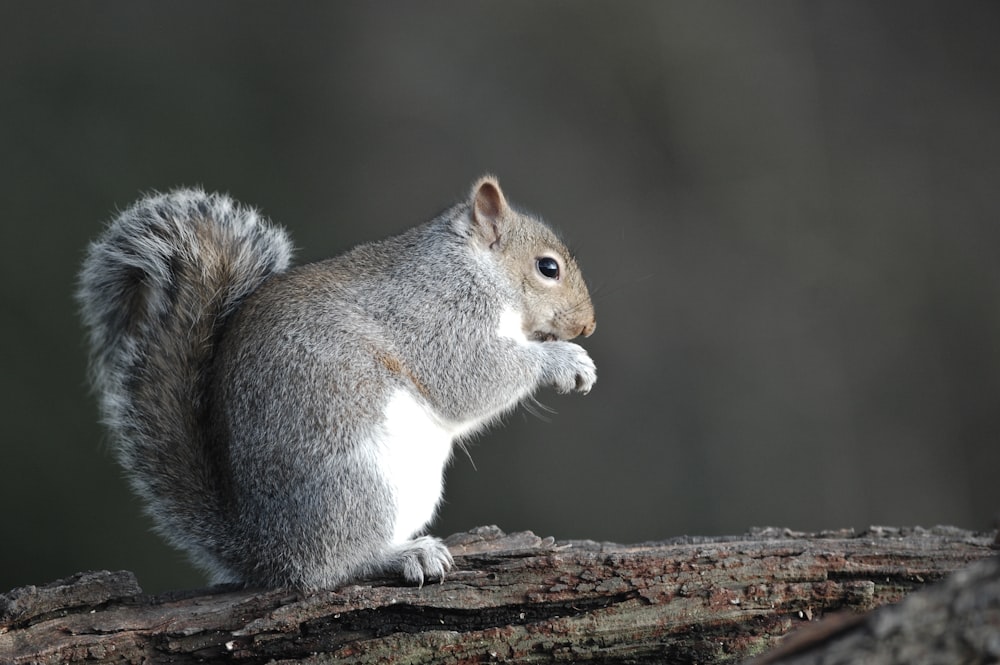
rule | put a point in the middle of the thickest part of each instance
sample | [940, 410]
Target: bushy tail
[155, 291]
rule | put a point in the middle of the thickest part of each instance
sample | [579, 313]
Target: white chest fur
[512, 325]
[414, 451]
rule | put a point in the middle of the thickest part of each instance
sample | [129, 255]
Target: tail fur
[155, 291]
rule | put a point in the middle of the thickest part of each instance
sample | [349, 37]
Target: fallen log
[511, 597]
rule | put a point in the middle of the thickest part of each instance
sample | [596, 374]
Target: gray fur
[250, 403]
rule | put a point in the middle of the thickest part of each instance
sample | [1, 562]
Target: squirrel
[290, 426]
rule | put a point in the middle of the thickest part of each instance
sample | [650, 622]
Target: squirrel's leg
[420, 559]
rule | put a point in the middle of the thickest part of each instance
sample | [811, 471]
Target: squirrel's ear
[489, 207]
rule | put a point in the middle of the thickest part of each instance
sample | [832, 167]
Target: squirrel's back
[155, 291]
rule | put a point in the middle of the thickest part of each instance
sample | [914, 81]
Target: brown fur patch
[396, 366]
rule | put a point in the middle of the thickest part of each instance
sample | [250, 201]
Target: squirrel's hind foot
[420, 559]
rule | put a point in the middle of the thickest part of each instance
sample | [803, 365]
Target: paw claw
[573, 369]
[424, 558]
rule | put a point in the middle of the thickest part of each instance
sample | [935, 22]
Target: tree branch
[512, 597]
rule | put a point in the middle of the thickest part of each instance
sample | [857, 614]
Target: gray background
[787, 213]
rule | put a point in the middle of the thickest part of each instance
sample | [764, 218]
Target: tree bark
[957, 621]
[514, 598]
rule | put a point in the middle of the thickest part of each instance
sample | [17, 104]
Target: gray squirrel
[290, 426]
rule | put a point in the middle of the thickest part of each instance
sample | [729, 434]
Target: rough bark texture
[521, 598]
[957, 621]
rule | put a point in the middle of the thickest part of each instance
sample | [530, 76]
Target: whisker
[464, 447]
[536, 408]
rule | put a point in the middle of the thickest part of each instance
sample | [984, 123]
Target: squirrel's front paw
[424, 558]
[573, 368]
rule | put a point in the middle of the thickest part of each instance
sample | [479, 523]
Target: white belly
[414, 450]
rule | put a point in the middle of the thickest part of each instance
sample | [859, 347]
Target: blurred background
[787, 212]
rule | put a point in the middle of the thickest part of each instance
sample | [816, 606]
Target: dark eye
[548, 266]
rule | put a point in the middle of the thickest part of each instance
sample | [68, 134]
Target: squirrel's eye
[548, 266]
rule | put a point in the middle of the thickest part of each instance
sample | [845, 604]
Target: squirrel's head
[555, 301]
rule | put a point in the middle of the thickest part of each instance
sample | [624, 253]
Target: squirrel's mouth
[542, 336]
